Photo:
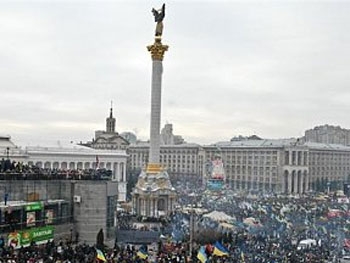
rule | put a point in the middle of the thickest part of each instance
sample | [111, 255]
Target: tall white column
[290, 157]
[124, 172]
[290, 182]
[302, 159]
[157, 71]
[157, 52]
[307, 181]
[295, 182]
[117, 172]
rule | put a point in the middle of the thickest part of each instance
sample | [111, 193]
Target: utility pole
[193, 195]
[191, 230]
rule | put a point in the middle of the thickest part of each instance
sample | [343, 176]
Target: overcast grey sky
[271, 68]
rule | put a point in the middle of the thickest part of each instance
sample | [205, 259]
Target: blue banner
[215, 185]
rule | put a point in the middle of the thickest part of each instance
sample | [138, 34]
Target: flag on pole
[220, 250]
[100, 255]
[202, 256]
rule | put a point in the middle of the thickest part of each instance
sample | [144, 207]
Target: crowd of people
[273, 235]
[268, 228]
[262, 229]
[12, 170]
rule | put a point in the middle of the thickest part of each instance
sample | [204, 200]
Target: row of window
[172, 152]
[244, 152]
[250, 178]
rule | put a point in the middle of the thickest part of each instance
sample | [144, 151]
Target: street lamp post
[192, 195]
[328, 187]
[191, 230]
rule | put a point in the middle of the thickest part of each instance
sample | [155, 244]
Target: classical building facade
[180, 160]
[329, 165]
[80, 157]
[263, 165]
[281, 166]
[70, 157]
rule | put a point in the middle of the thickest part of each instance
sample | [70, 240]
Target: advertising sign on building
[34, 206]
[30, 218]
[49, 216]
[24, 238]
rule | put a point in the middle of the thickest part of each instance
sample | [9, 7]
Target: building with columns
[328, 165]
[181, 161]
[262, 165]
[79, 206]
[296, 175]
[267, 165]
[71, 157]
[283, 166]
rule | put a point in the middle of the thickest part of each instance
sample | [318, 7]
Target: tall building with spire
[110, 123]
[108, 139]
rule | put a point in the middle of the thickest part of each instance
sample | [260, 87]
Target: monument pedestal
[154, 196]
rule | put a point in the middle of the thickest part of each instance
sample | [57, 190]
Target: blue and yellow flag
[100, 255]
[142, 254]
[202, 256]
[220, 250]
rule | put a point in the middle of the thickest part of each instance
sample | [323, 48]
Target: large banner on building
[24, 238]
[216, 178]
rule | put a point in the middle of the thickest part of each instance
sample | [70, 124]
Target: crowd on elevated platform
[20, 171]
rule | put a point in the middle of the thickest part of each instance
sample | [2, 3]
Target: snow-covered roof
[327, 146]
[6, 142]
[256, 143]
[278, 143]
[184, 145]
[71, 149]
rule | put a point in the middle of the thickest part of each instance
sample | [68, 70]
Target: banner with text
[24, 238]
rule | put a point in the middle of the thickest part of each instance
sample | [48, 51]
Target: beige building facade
[263, 165]
[179, 160]
[280, 166]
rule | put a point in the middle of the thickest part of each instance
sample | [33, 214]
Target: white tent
[220, 217]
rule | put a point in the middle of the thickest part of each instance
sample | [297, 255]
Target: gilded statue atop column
[158, 17]
[157, 49]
